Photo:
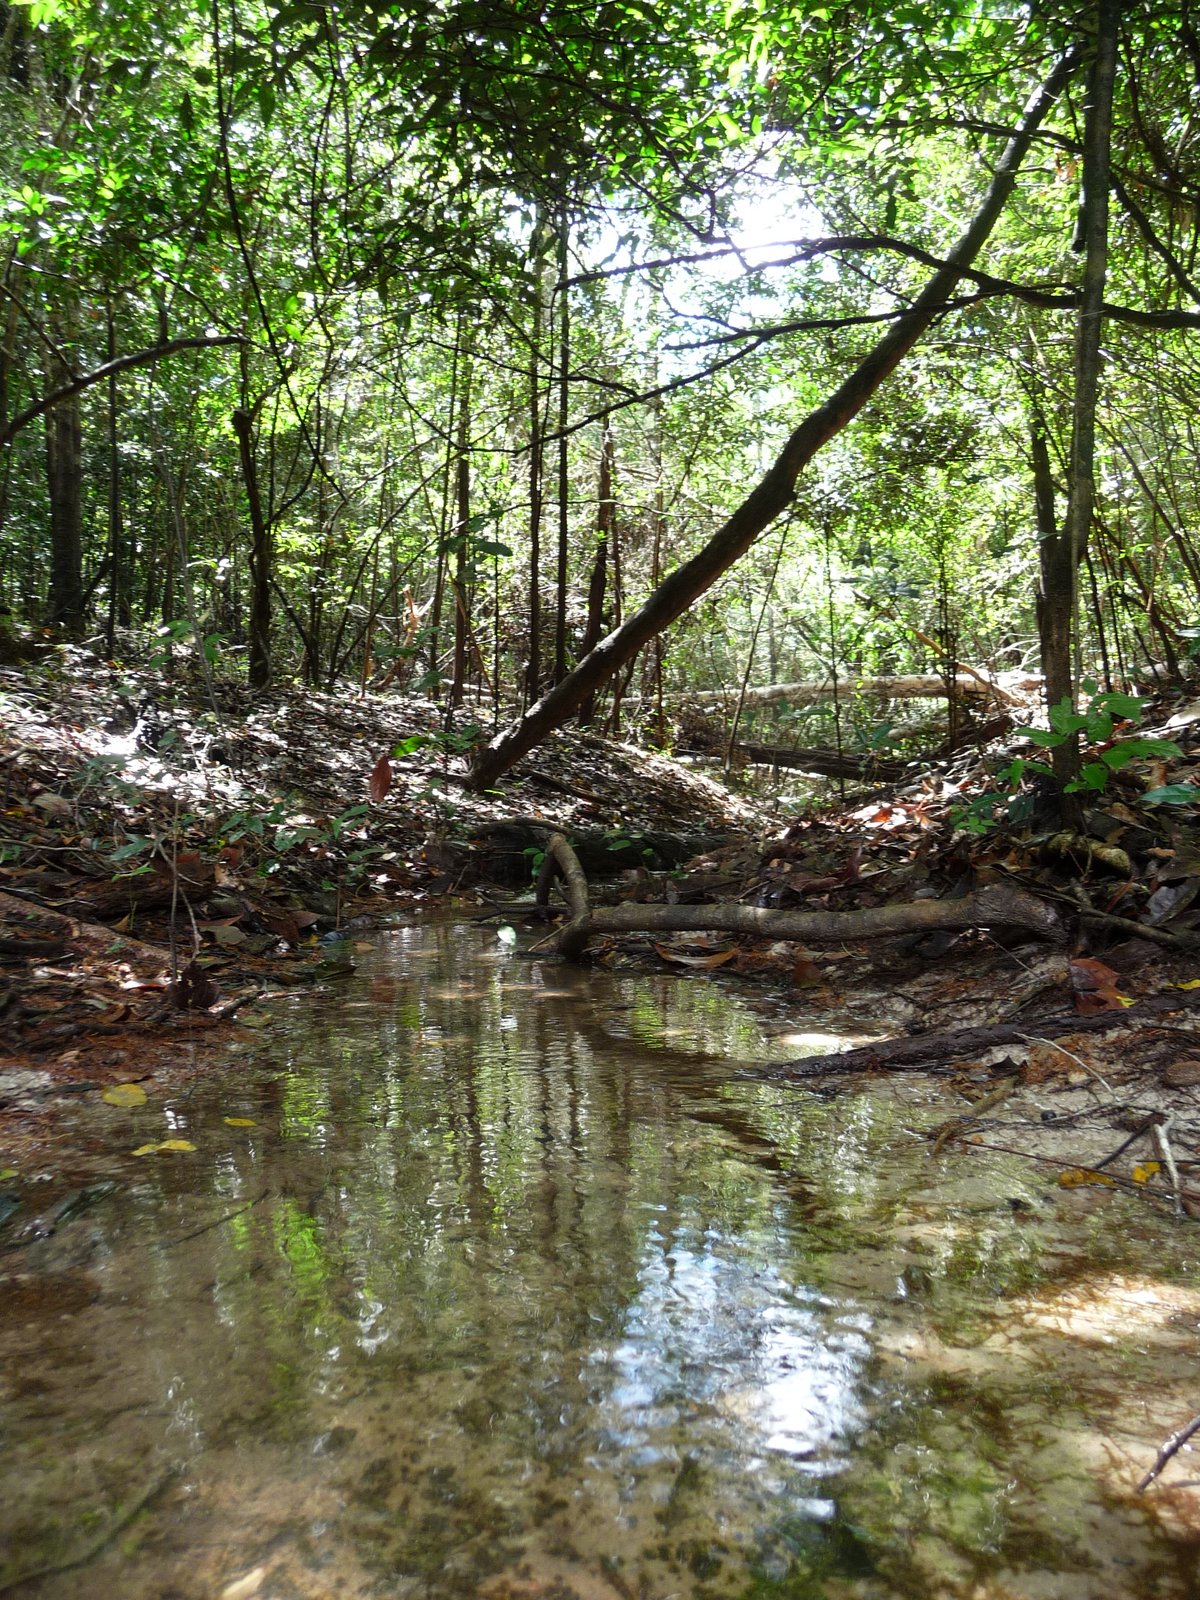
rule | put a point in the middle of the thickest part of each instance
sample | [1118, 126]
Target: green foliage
[1098, 725]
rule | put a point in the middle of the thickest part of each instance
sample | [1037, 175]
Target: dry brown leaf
[380, 780]
[717, 958]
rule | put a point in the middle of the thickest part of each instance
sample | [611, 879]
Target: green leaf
[1094, 777]
[1127, 706]
[1126, 750]
[1172, 794]
[1064, 720]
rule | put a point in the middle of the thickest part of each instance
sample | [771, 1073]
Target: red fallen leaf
[1089, 974]
[805, 972]
[380, 780]
[193, 990]
[1100, 1000]
[1095, 987]
[280, 923]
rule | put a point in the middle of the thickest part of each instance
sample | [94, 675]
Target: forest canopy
[465, 347]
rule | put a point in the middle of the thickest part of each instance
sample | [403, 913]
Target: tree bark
[606, 517]
[462, 531]
[562, 584]
[260, 557]
[996, 906]
[533, 668]
[1061, 554]
[774, 492]
[64, 481]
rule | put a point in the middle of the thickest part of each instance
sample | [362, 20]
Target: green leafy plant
[1098, 725]
[1109, 750]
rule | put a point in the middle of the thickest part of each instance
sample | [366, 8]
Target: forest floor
[171, 852]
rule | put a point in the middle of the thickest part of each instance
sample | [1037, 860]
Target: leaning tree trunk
[774, 492]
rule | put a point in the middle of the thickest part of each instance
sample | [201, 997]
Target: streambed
[489, 1277]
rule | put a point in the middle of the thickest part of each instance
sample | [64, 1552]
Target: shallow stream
[487, 1277]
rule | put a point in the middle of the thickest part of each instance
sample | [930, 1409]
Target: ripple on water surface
[487, 1278]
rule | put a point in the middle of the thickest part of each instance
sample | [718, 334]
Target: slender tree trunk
[774, 492]
[653, 688]
[439, 576]
[118, 599]
[259, 672]
[606, 517]
[64, 479]
[462, 527]
[1062, 554]
[533, 669]
[561, 588]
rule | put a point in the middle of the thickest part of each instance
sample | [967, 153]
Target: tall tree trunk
[533, 669]
[64, 479]
[1062, 552]
[259, 671]
[653, 686]
[118, 597]
[775, 490]
[462, 526]
[606, 517]
[561, 587]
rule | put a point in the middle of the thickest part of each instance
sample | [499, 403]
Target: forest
[473, 348]
[599, 751]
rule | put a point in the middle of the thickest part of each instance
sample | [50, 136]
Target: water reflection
[504, 1290]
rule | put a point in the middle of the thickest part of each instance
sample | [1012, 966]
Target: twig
[1165, 1154]
[97, 1545]
[1032, 1038]
[207, 1227]
[1124, 1145]
[1169, 1448]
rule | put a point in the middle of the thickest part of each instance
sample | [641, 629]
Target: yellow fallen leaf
[1192, 983]
[1145, 1170]
[241, 1122]
[124, 1094]
[144, 1150]
[177, 1144]
[1079, 1177]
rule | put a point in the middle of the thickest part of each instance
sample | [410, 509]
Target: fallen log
[93, 939]
[922, 1049]
[825, 763]
[995, 906]
[910, 686]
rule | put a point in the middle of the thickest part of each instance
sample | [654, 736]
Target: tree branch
[141, 358]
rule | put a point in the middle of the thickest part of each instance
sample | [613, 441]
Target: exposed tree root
[922, 1049]
[90, 938]
[997, 906]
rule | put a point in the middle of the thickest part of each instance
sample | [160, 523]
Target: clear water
[516, 1287]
